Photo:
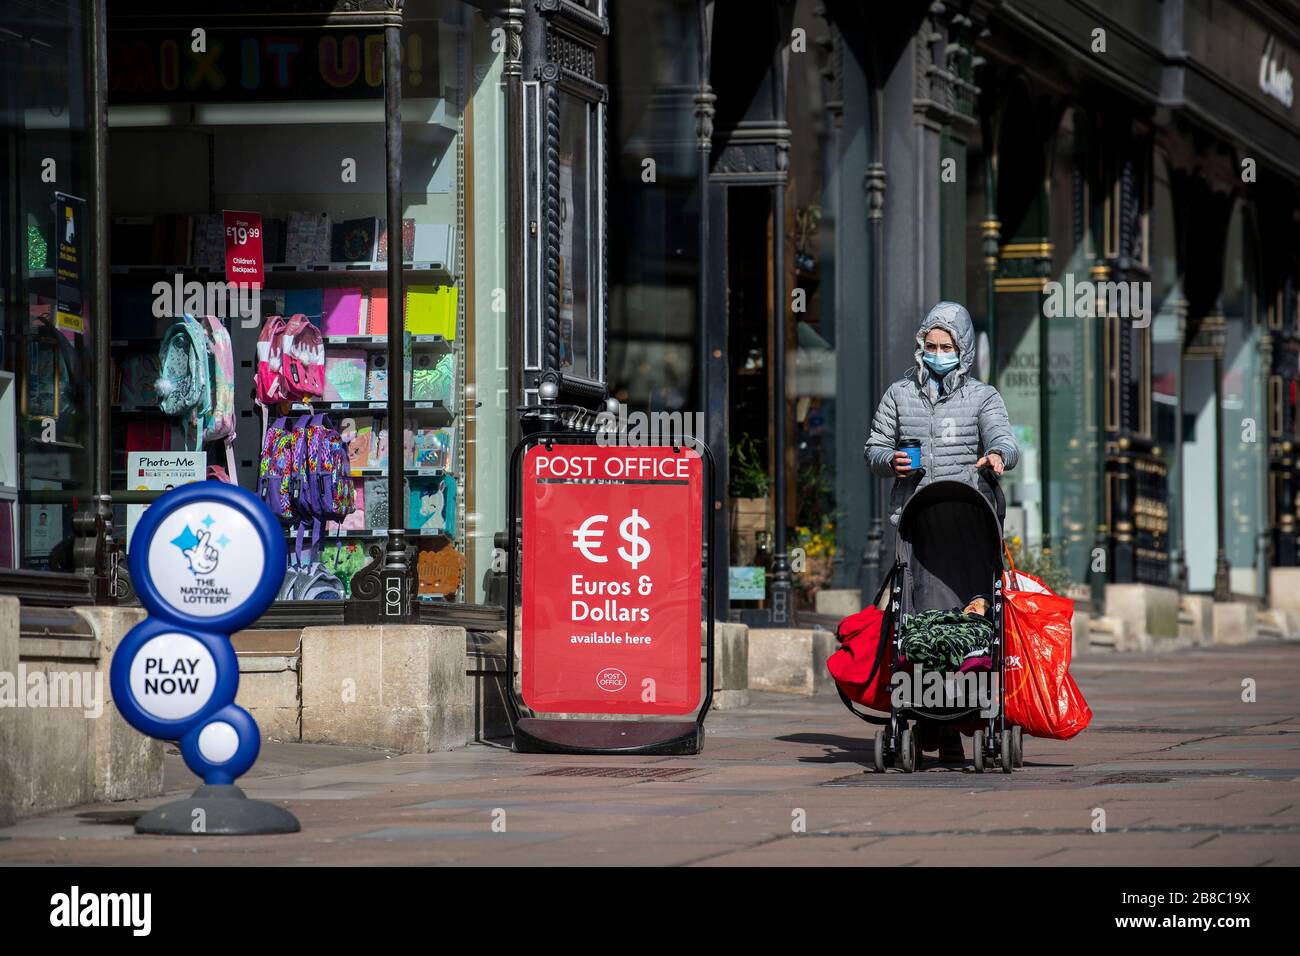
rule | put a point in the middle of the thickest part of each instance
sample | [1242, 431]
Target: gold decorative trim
[1027, 250]
[1020, 284]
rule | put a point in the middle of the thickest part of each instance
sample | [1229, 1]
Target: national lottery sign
[611, 579]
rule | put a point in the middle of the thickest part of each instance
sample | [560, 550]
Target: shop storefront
[250, 164]
[47, 398]
[1138, 289]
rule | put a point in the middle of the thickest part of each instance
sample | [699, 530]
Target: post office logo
[611, 679]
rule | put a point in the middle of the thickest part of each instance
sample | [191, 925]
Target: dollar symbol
[630, 529]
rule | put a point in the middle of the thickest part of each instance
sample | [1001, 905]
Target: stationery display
[354, 240]
[341, 311]
[431, 310]
[433, 378]
[325, 309]
[345, 375]
[377, 378]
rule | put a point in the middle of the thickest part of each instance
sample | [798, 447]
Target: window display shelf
[435, 343]
[437, 412]
[69, 445]
[280, 271]
[381, 533]
[409, 472]
[62, 481]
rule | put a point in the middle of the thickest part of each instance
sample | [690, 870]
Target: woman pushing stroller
[953, 424]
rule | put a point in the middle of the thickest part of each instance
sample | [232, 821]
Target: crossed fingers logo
[197, 549]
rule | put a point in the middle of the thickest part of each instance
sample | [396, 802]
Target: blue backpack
[184, 384]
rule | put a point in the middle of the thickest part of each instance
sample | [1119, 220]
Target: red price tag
[611, 579]
[244, 261]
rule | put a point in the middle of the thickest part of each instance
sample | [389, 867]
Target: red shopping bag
[1041, 696]
[858, 667]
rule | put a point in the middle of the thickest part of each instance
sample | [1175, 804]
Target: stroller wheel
[978, 751]
[879, 758]
[1006, 755]
[1018, 745]
[909, 752]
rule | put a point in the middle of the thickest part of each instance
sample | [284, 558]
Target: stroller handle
[1000, 501]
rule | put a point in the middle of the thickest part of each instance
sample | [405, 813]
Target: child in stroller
[948, 548]
[955, 640]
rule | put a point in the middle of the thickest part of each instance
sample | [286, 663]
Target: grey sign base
[226, 811]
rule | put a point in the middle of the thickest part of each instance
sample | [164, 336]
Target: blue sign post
[207, 559]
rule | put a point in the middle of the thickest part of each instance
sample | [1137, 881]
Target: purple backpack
[277, 475]
[322, 477]
[326, 491]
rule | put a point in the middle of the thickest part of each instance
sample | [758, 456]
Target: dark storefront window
[47, 319]
[1070, 373]
[1245, 446]
[1169, 318]
[286, 125]
[653, 224]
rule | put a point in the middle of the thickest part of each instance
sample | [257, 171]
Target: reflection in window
[575, 237]
[47, 327]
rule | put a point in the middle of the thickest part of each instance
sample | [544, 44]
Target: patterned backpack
[277, 475]
[184, 384]
[219, 423]
[326, 490]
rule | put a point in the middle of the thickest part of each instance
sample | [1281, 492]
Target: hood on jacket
[953, 318]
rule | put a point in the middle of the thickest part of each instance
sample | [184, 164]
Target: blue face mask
[940, 362]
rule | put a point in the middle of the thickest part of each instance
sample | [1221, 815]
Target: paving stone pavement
[1184, 770]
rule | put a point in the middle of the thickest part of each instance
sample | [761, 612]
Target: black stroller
[949, 547]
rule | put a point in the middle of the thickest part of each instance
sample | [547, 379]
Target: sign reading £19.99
[611, 579]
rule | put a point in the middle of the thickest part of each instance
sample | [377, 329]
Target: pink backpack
[290, 361]
[302, 361]
[219, 422]
[270, 341]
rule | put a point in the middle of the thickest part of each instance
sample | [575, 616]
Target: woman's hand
[902, 464]
[994, 460]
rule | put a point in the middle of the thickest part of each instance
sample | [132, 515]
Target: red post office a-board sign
[611, 579]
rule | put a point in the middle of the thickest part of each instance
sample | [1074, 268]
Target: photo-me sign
[611, 615]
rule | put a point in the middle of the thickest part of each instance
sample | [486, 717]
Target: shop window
[280, 138]
[1241, 396]
[48, 319]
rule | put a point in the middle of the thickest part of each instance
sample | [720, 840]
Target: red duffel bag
[859, 667]
[1041, 696]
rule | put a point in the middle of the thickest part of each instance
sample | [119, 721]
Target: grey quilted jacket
[968, 420]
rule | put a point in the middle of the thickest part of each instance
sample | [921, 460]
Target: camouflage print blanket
[940, 640]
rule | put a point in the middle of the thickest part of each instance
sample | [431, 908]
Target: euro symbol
[582, 539]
